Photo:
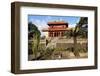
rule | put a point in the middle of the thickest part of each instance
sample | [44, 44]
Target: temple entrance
[56, 29]
[56, 34]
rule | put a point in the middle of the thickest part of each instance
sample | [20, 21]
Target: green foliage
[60, 49]
[44, 54]
[82, 50]
[35, 34]
[78, 31]
[83, 20]
[39, 52]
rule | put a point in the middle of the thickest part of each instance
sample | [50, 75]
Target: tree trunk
[76, 53]
[35, 47]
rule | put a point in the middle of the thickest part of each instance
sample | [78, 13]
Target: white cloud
[72, 25]
[40, 24]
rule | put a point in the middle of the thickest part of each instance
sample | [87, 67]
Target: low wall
[70, 45]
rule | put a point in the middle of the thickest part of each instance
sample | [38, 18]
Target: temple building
[56, 29]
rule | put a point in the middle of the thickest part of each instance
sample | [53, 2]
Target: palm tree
[34, 34]
[78, 31]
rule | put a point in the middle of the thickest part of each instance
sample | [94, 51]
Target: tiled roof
[57, 23]
[60, 29]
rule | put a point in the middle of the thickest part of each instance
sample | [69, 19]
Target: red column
[60, 34]
[52, 34]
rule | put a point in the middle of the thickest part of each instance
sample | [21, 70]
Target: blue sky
[41, 20]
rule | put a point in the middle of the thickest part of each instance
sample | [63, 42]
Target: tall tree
[78, 31]
[34, 34]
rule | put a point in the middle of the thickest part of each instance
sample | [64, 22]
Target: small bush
[82, 50]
